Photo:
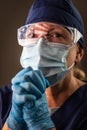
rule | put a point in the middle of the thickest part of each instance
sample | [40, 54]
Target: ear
[79, 54]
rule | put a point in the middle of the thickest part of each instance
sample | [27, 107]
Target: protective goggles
[28, 35]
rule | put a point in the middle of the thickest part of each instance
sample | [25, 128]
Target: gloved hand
[36, 114]
[29, 87]
[15, 119]
[35, 108]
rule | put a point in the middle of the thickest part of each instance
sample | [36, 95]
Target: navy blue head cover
[57, 11]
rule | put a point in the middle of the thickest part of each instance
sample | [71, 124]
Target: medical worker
[46, 94]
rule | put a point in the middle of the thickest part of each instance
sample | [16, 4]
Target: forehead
[53, 26]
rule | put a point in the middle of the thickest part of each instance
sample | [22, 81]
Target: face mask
[49, 57]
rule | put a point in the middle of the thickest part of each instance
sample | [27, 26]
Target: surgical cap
[56, 11]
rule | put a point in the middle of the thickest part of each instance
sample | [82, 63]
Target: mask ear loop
[70, 67]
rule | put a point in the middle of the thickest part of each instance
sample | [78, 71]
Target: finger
[38, 80]
[30, 88]
[18, 89]
[21, 99]
[21, 76]
[44, 80]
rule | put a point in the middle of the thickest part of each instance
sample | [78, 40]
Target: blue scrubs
[73, 113]
[71, 116]
[5, 103]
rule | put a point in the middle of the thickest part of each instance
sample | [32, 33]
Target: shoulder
[83, 91]
[5, 102]
[6, 89]
[73, 113]
[5, 93]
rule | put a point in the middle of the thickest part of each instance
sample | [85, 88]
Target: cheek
[71, 57]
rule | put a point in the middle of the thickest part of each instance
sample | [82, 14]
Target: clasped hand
[29, 104]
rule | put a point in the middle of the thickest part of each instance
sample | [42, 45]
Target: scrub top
[72, 115]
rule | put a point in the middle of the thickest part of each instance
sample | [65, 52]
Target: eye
[30, 32]
[31, 35]
[56, 35]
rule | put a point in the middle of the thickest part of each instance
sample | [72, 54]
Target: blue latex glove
[28, 85]
[35, 107]
[28, 91]
[36, 114]
[15, 119]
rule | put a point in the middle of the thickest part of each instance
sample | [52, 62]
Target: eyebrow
[59, 29]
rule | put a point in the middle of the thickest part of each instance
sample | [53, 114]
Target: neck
[58, 94]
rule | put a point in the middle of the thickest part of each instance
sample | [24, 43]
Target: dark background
[13, 14]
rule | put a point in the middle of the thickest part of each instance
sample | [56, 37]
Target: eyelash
[51, 35]
[57, 35]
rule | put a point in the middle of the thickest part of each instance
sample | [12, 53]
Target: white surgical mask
[49, 57]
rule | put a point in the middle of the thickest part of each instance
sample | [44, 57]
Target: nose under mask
[48, 58]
